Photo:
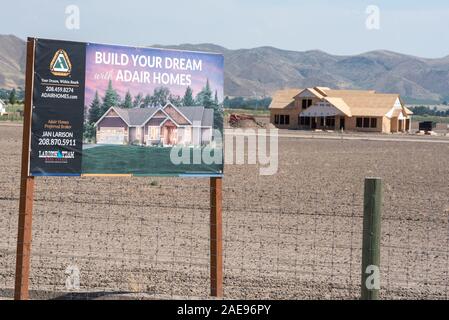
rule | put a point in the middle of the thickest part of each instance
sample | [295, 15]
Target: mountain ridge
[262, 70]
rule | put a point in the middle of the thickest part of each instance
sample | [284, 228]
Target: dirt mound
[244, 121]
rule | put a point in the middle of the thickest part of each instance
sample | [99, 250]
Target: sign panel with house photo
[108, 109]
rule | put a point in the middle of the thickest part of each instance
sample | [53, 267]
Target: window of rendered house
[154, 133]
[359, 122]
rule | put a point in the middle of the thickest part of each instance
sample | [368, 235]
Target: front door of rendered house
[313, 123]
[169, 135]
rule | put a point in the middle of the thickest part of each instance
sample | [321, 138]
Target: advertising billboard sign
[109, 109]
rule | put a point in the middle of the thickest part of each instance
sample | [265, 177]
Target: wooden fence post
[371, 239]
[26, 187]
[216, 244]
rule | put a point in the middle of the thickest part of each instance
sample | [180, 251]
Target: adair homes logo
[60, 65]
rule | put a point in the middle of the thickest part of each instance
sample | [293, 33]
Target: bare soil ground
[296, 234]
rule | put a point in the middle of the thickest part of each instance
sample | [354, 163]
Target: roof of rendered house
[197, 115]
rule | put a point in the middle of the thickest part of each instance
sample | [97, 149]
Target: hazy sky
[339, 27]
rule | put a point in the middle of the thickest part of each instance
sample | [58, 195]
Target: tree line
[428, 111]
[13, 96]
[160, 97]
[246, 103]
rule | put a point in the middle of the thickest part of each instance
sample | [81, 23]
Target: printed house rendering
[328, 109]
[162, 126]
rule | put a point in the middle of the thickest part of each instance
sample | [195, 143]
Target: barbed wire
[149, 237]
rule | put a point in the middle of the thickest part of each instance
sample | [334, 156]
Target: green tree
[218, 113]
[175, 100]
[146, 101]
[216, 98]
[111, 99]
[128, 102]
[188, 100]
[138, 101]
[218, 117]
[204, 97]
[89, 132]
[94, 109]
[160, 96]
[226, 101]
[12, 96]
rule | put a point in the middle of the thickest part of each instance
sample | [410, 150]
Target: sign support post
[26, 188]
[55, 103]
[216, 244]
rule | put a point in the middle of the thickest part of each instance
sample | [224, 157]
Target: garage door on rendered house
[111, 136]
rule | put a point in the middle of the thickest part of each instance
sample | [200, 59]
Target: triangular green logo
[60, 64]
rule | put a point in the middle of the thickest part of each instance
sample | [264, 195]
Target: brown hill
[12, 61]
[260, 71]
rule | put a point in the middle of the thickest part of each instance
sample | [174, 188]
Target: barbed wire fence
[146, 238]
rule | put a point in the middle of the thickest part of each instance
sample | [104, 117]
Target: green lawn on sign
[140, 160]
